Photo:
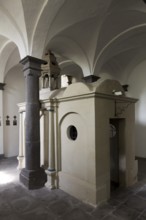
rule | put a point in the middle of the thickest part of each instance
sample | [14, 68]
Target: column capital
[50, 109]
[32, 65]
[2, 86]
[50, 106]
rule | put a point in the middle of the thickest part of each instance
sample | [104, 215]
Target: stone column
[1, 120]
[20, 156]
[32, 176]
[51, 168]
[51, 140]
[43, 139]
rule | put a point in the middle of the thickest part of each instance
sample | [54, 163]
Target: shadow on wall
[136, 80]
[140, 140]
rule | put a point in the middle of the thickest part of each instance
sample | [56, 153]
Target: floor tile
[77, 214]
[136, 203]
[114, 203]
[103, 211]
[59, 207]
[121, 194]
[40, 213]
[19, 203]
[11, 217]
[142, 192]
[126, 213]
[112, 217]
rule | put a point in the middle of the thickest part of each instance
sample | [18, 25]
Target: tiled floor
[17, 203]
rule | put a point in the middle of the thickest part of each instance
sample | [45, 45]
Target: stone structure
[75, 134]
[21, 156]
[50, 72]
[2, 85]
[32, 176]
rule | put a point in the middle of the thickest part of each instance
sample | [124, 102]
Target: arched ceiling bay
[76, 23]
[9, 52]
[12, 33]
[84, 31]
[121, 47]
[12, 24]
[70, 68]
[90, 33]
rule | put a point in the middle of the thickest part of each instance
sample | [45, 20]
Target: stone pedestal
[32, 176]
[33, 179]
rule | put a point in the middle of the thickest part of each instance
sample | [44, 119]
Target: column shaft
[42, 138]
[51, 141]
[32, 123]
[33, 176]
[51, 168]
[20, 156]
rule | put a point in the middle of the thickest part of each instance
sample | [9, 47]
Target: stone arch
[67, 145]
[119, 44]
[60, 137]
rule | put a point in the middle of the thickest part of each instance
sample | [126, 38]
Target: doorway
[114, 154]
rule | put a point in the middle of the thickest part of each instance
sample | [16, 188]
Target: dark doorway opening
[114, 154]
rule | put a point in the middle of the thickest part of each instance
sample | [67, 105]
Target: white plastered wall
[77, 175]
[13, 94]
[105, 110]
[137, 88]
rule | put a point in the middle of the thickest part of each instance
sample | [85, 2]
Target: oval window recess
[72, 132]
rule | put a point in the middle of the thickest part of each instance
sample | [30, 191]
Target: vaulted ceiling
[96, 35]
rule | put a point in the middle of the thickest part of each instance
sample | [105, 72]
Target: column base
[33, 179]
[21, 162]
[52, 178]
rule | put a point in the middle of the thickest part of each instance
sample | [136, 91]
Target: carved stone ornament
[50, 71]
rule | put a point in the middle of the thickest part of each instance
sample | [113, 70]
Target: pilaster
[21, 156]
[51, 168]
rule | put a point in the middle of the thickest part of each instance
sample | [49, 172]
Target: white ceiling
[94, 34]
